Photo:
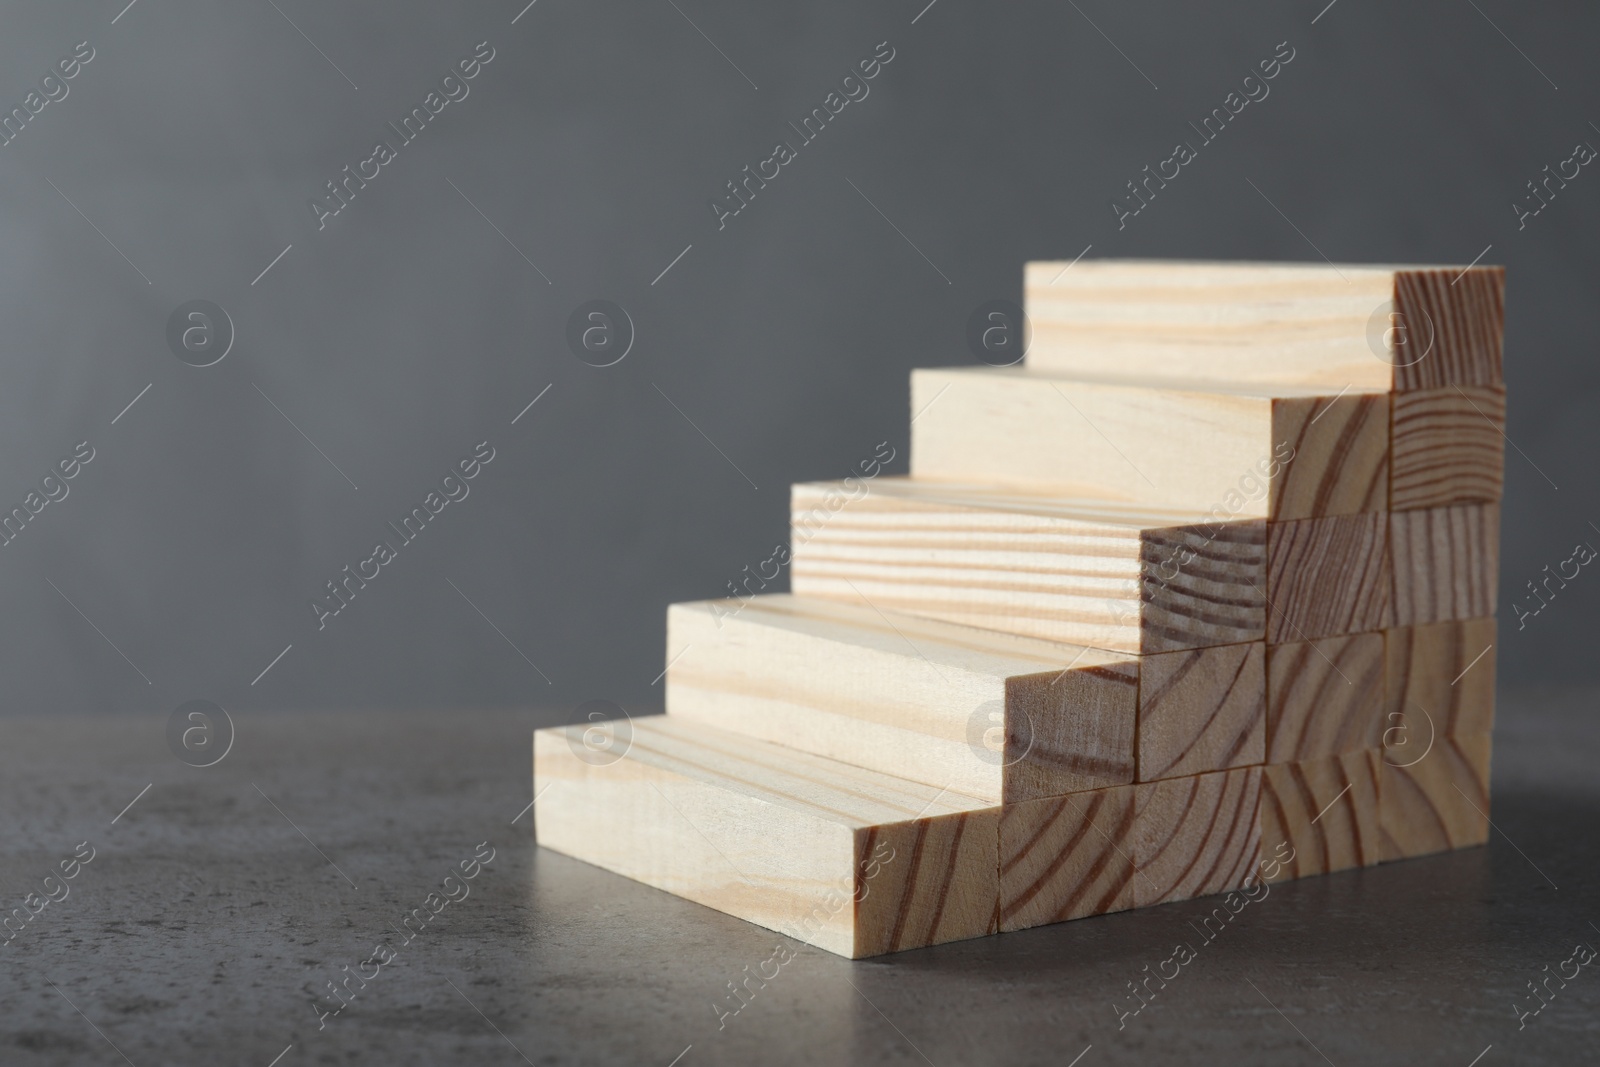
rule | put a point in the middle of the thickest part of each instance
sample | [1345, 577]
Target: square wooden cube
[1201, 710]
[1445, 670]
[1325, 811]
[1328, 576]
[1446, 563]
[1194, 836]
[1325, 697]
[1437, 802]
[1066, 857]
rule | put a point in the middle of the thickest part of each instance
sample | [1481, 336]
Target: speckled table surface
[215, 910]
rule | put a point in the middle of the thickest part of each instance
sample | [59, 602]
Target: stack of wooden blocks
[1202, 593]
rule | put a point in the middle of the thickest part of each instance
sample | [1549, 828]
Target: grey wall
[409, 329]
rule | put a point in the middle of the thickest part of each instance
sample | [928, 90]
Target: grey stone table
[217, 908]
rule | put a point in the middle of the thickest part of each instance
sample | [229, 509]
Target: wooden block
[1327, 577]
[1445, 670]
[1194, 836]
[1325, 698]
[1256, 451]
[1202, 710]
[1448, 447]
[1446, 563]
[990, 715]
[1066, 857]
[850, 860]
[1370, 327]
[1325, 810]
[1437, 802]
[1135, 580]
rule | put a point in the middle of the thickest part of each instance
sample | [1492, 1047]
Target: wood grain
[1196, 447]
[1445, 669]
[1285, 323]
[850, 860]
[1325, 809]
[1325, 698]
[1135, 580]
[1439, 802]
[1327, 577]
[1196, 835]
[1463, 314]
[1446, 563]
[1066, 857]
[1447, 447]
[1201, 710]
[990, 715]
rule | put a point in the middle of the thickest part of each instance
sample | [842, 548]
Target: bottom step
[861, 863]
[850, 860]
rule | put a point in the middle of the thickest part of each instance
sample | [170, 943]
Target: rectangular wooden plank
[853, 861]
[1194, 836]
[1367, 326]
[1329, 576]
[1435, 802]
[1324, 810]
[990, 715]
[1325, 698]
[1202, 710]
[1446, 563]
[1442, 673]
[1136, 580]
[1196, 447]
[1066, 857]
[1447, 447]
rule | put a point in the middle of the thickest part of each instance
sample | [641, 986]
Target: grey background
[409, 329]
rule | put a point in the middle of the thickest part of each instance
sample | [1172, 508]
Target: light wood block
[1066, 857]
[1438, 802]
[1202, 710]
[1094, 574]
[1448, 447]
[1199, 447]
[1328, 576]
[1284, 323]
[1446, 563]
[850, 860]
[990, 715]
[1194, 836]
[1325, 698]
[1325, 809]
[1445, 671]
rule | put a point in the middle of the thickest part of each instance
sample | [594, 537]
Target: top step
[1379, 327]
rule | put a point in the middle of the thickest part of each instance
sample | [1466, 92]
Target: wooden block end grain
[1325, 697]
[1455, 324]
[1339, 463]
[1324, 810]
[846, 859]
[1448, 447]
[1066, 857]
[1446, 563]
[1195, 836]
[1328, 576]
[1201, 710]
[1445, 672]
[1434, 803]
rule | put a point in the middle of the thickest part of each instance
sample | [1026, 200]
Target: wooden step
[992, 715]
[850, 860]
[1250, 451]
[1365, 326]
[1131, 579]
